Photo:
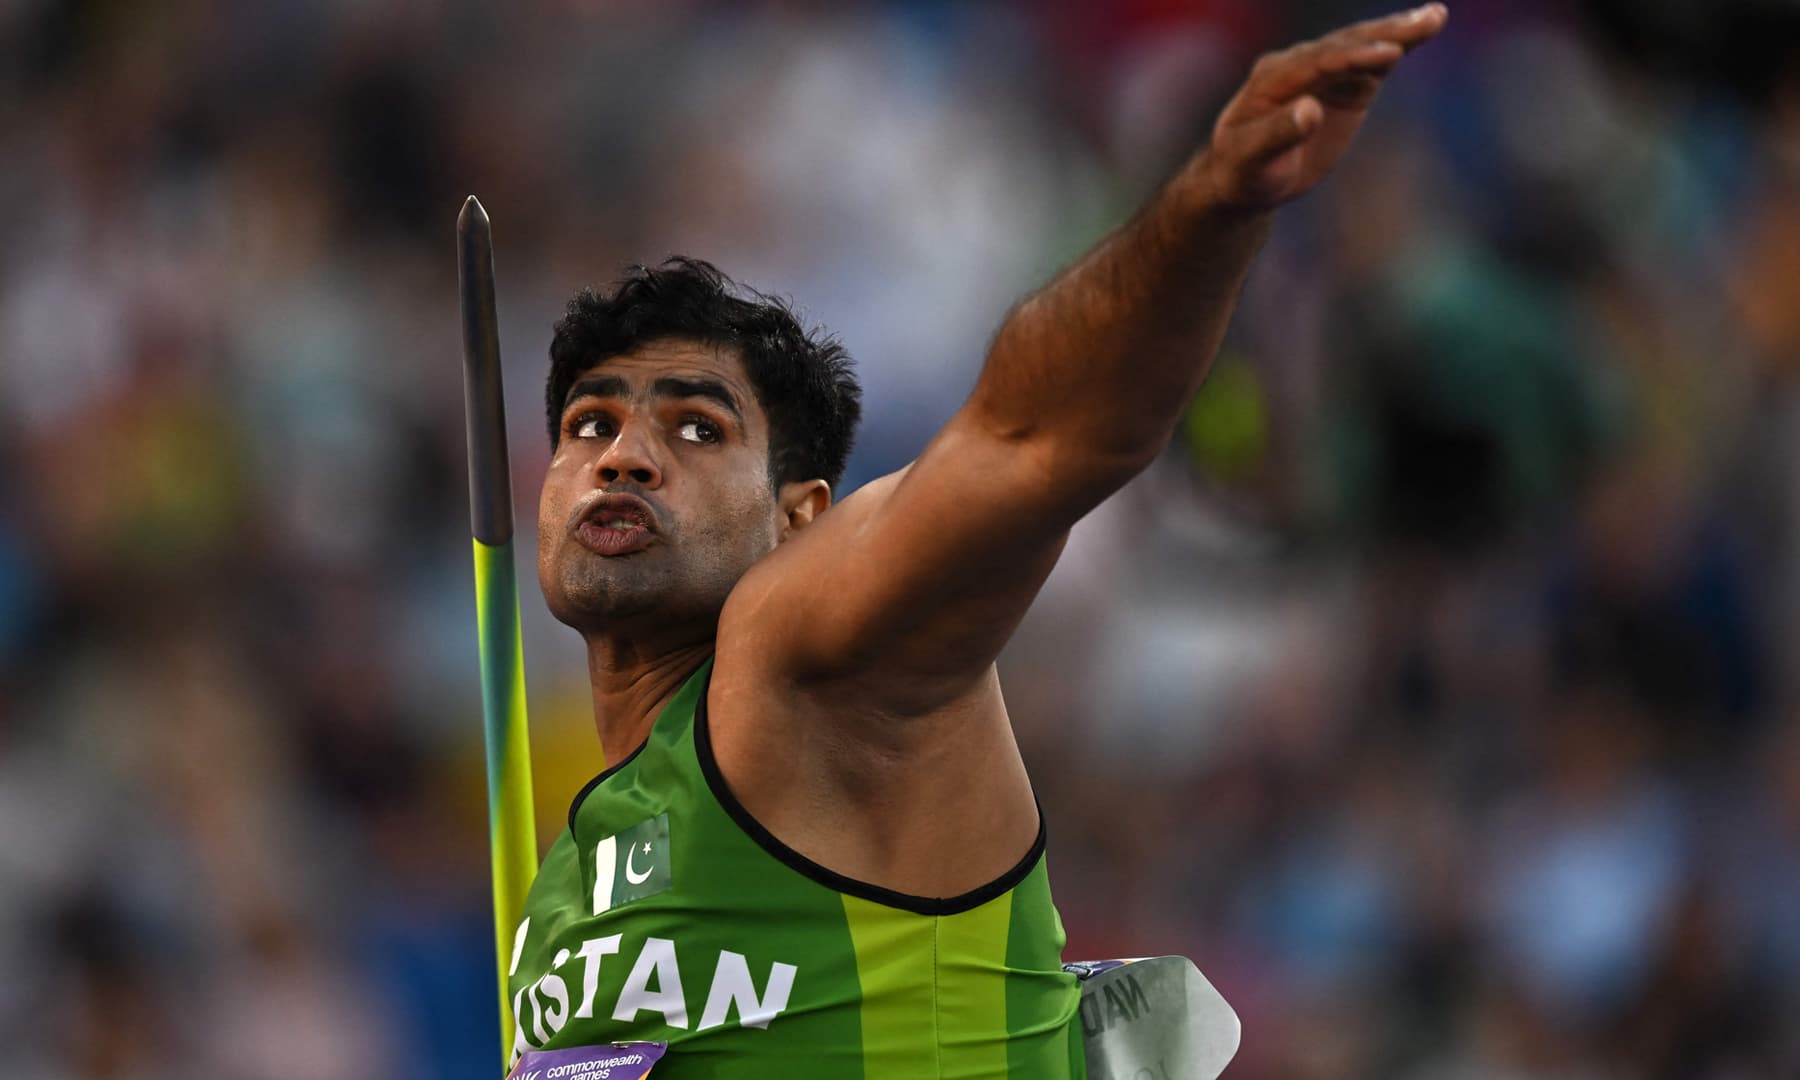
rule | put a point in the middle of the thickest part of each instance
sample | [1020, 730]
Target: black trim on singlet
[588, 787]
[831, 879]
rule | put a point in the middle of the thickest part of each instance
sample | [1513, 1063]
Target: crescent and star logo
[631, 873]
[633, 863]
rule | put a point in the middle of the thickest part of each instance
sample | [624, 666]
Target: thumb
[1266, 138]
[1246, 158]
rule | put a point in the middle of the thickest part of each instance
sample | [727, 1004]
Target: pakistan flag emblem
[632, 864]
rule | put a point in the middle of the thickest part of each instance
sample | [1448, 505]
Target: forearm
[1098, 366]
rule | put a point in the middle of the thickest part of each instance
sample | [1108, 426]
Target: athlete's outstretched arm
[1098, 366]
[911, 587]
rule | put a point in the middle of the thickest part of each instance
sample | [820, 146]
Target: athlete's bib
[616, 1061]
[1153, 1019]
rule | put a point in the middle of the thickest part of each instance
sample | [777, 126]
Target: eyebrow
[612, 386]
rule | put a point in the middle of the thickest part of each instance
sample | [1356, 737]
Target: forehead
[674, 358]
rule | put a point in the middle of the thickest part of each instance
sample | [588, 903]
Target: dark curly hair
[803, 378]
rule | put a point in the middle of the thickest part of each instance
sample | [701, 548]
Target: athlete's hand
[1300, 108]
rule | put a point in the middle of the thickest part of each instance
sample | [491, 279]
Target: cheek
[547, 511]
[553, 513]
[757, 525]
[740, 523]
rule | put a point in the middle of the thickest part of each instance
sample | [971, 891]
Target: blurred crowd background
[1434, 692]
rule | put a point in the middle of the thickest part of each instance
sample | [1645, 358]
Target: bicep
[907, 591]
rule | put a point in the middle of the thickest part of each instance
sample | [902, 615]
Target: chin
[587, 608]
[591, 592]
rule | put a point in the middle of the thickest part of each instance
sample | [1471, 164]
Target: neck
[632, 682]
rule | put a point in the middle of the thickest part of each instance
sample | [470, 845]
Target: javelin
[512, 835]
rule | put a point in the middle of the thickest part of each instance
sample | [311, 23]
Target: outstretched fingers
[1366, 50]
[1301, 108]
[1403, 28]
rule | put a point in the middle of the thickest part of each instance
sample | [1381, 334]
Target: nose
[630, 456]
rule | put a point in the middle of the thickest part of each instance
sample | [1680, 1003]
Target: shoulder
[875, 797]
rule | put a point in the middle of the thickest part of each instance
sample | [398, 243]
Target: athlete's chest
[654, 918]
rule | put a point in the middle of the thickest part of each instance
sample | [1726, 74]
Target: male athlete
[816, 852]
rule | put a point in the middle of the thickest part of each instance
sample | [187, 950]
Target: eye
[590, 426]
[698, 429]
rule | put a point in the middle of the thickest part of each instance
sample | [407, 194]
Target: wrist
[1207, 191]
[1199, 220]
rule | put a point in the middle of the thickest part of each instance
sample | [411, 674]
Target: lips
[616, 525]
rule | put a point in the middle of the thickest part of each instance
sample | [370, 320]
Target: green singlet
[666, 913]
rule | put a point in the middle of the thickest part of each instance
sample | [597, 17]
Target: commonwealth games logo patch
[618, 1061]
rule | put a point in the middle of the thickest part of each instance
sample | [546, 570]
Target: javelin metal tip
[472, 213]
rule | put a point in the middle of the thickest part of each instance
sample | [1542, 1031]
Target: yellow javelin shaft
[511, 829]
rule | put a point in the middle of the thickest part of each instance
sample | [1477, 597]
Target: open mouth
[612, 537]
[616, 525]
[616, 521]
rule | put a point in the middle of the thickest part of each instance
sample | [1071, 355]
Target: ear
[800, 502]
